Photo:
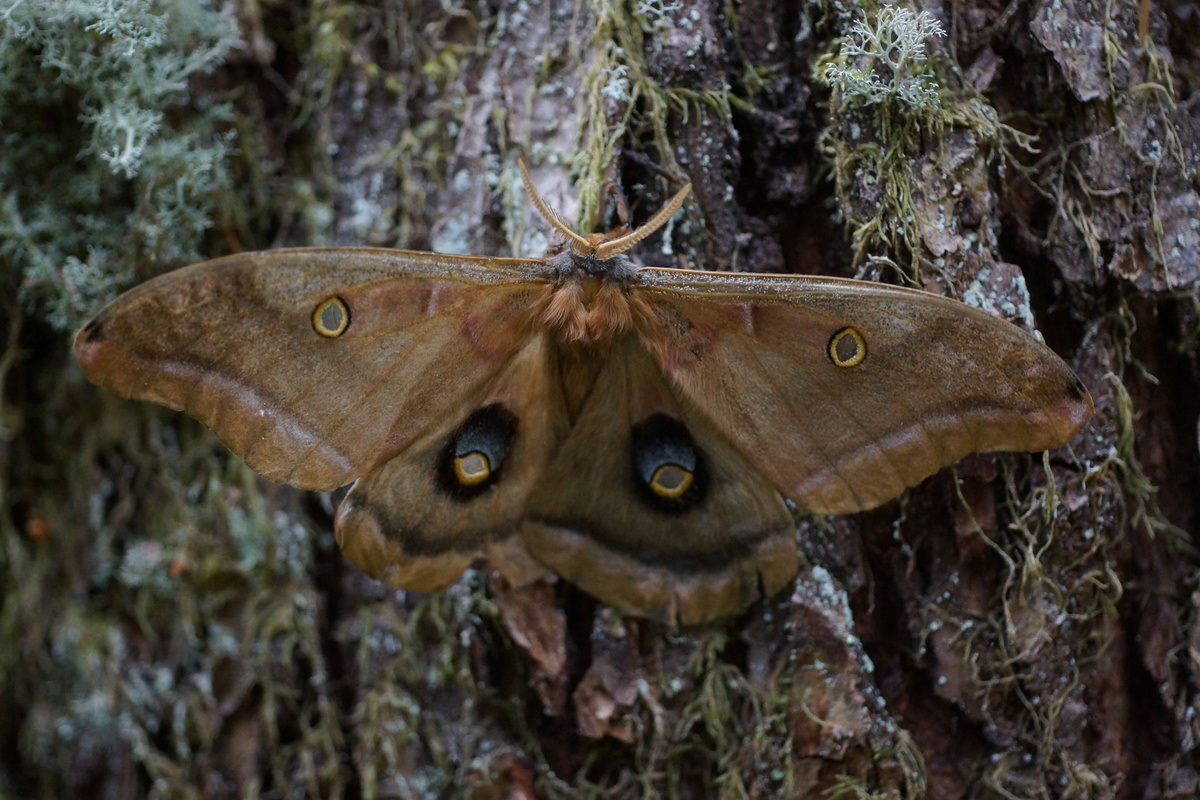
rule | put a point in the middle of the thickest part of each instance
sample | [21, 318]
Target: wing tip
[90, 346]
[1079, 406]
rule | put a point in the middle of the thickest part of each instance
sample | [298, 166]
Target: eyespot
[671, 481]
[847, 348]
[331, 317]
[472, 468]
[472, 460]
[669, 471]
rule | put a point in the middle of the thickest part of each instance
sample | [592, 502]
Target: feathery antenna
[581, 246]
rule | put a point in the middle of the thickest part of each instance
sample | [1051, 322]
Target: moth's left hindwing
[418, 520]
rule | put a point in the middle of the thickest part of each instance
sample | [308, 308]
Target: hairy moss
[623, 100]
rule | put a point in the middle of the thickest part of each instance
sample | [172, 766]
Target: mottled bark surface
[173, 625]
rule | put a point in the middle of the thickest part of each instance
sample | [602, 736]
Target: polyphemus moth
[635, 430]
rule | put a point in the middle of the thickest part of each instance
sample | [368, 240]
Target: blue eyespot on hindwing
[472, 460]
[670, 473]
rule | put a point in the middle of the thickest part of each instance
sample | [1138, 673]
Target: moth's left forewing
[844, 393]
[316, 364]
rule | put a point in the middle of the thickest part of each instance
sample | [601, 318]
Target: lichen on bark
[1017, 626]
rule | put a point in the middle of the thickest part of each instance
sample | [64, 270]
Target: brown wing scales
[938, 380]
[232, 342]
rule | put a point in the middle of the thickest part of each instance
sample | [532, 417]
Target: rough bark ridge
[1017, 627]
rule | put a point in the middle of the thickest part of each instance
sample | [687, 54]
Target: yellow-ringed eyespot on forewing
[331, 317]
[847, 348]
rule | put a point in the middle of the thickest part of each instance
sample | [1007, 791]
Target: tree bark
[1017, 626]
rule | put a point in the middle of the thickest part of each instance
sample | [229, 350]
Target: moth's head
[598, 248]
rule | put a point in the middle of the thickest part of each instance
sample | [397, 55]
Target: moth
[635, 430]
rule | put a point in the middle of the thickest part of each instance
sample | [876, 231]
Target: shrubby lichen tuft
[98, 177]
[882, 60]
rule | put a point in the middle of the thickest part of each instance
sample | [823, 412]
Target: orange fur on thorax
[587, 314]
[588, 311]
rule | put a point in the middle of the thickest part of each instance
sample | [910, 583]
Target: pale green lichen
[893, 45]
[97, 177]
[890, 124]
